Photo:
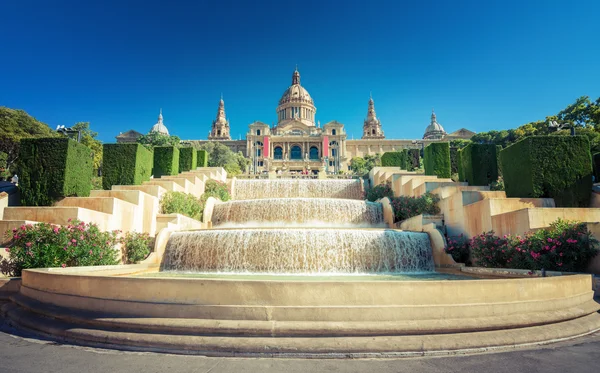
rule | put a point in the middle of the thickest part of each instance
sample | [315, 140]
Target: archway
[278, 153]
[314, 153]
[296, 152]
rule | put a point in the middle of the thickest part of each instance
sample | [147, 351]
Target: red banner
[266, 147]
[325, 146]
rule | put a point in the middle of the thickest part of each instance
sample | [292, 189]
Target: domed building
[159, 126]
[434, 130]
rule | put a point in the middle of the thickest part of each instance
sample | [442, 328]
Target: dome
[295, 93]
[434, 130]
[159, 126]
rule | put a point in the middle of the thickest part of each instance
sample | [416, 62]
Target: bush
[43, 245]
[413, 159]
[187, 159]
[460, 249]
[407, 207]
[125, 164]
[597, 166]
[558, 167]
[437, 159]
[565, 246]
[136, 247]
[202, 158]
[50, 169]
[217, 189]
[166, 161]
[478, 164]
[380, 191]
[182, 203]
[395, 159]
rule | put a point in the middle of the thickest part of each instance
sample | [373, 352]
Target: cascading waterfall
[307, 250]
[316, 212]
[298, 188]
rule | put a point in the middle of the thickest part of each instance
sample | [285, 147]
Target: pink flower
[65, 248]
[56, 230]
[560, 264]
[28, 244]
[7, 250]
[63, 265]
[74, 240]
[90, 252]
[549, 239]
[69, 220]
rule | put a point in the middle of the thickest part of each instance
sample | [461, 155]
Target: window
[296, 152]
[333, 132]
[258, 152]
[333, 152]
[314, 153]
[257, 132]
[219, 133]
[373, 132]
[278, 153]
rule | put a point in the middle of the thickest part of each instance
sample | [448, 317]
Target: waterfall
[316, 212]
[306, 250]
[298, 188]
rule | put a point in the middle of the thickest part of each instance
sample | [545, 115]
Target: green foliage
[565, 246]
[202, 158]
[88, 138]
[406, 207]
[136, 246]
[154, 139]
[362, 166]
[455, 146]
[217, 189]
[395, 159]
[53, 168]
[166, 161]
[187, 159]
[379, 191]
[43, 245]
[221, 156]
[437, 159]
[125, 164]
[460, 249]
[479, 164]
[413, 160]
[597, 167]
[97, 183]
[182, 203]
[549, 167]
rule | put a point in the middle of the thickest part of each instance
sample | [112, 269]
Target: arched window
[219, 133]
[257, 132]
[258, 152]
[278, 153]
[314, 153]
[333, 132]
[333, 152]
[373, 131]
[296, 152]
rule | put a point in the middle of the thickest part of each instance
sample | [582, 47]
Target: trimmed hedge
[52, 168]
[478, 164]
[166, 161]
[437, 159]
[558, 167]
[395, 159]
[414, 158]
[597, 166]
[125, 164]
[202, 158]
[187, 159]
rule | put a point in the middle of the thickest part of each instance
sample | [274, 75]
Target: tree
[158, 139]
[88, 138]
[578, 113]
[358, 165]
[220, 155]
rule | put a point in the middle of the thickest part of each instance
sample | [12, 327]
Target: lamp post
[69, 132]
[555, 126]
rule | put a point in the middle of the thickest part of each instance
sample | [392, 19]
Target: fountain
[305, 188]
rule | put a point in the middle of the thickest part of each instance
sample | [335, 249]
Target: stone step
[429, 186]
[146, 206]
[153, 190]
[61, 215]
[168, 185]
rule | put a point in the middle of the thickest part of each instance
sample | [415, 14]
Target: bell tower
[372, 125]
[220, 126]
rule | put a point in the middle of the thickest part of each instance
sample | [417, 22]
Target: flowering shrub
[459, 247]
[44, 245]
[182, 203]
[407, 207]
[217, 189]
[379, 191]
[136, 246]
[564, 246]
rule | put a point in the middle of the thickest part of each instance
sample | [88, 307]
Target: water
[310, 212]
[306, 251]
[319, 277]
[298, 188]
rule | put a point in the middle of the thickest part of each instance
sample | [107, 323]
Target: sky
[481, 65]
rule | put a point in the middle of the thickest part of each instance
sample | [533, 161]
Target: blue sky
[481, 64]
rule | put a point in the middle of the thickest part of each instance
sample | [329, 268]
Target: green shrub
[182, 203]
[379, 191]
[187, 159]
[565, 246]
[125, 164]
[3, 160]
[459, 248]
[43, 245]
[202, 156]
[406, 207]
[437, 159]
[217, 189]
[166, 161]
[558, 167]
[478, 164]
[52, 168]
[395, 159]
[413, 160]
[136, 246]
[597, 166]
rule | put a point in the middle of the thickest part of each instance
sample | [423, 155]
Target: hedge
[395, 159]
[437, 159]
[478, 164]
[125, 164]
[597, 166]
[187, 159]
[52, 168]
[166, 161]
[202, 158]
[414, 158]
[558, 167]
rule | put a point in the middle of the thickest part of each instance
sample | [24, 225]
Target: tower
[296, 105]
[160, 126]
[434, 130]
[220, 126]
[372, 125]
